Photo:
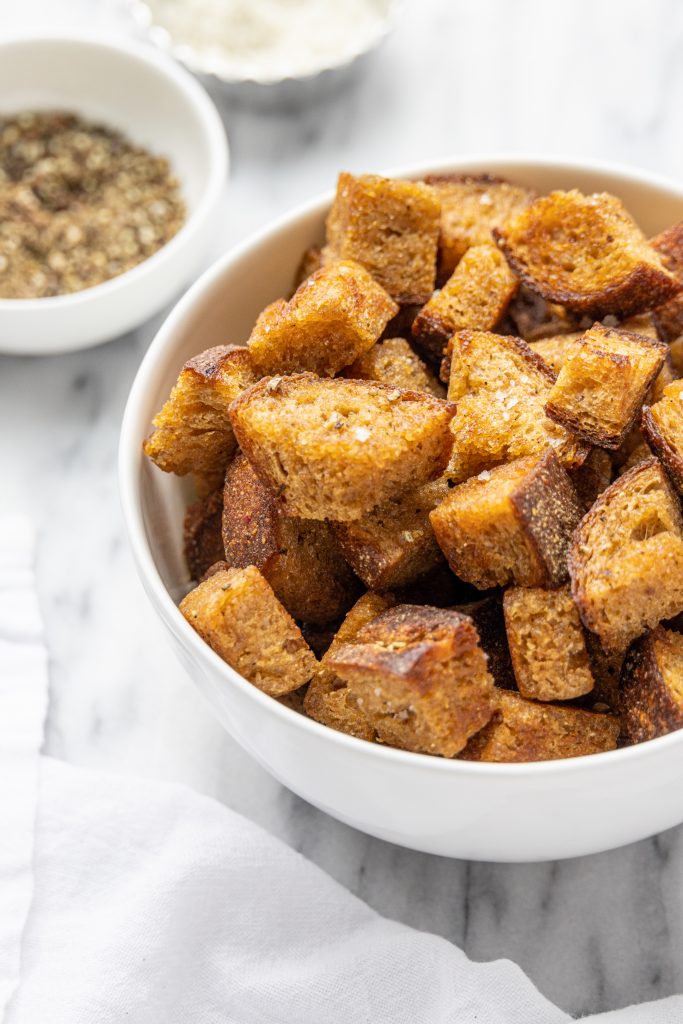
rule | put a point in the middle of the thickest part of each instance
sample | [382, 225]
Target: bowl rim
[130, 457]
[204, 112]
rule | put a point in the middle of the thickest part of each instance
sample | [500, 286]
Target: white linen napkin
[154, 905]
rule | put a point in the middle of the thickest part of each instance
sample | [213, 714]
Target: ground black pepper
[79, 204]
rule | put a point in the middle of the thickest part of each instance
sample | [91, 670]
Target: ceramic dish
[156, 104]
[517, 812]
[261, 86]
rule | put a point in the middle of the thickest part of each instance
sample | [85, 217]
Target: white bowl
[156, 104]
[552, 809]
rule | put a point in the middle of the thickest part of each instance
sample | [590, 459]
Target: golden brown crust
[202, 538]
[237, 614]
[328, 699]
[394, 363]
[311, 260]
[547, 644]
[389, 226]
[602, 384]
[192, 432]
[626, 558]
[663, 427]
[421, 677]
[394, 544]
[474, 297]
[669, 316]
[510, 524]
[651, 697]
[336, 448]
[334, 316]
[471, 205]
[588, 254]
[301, 559]
[522, 730]
[500, 388]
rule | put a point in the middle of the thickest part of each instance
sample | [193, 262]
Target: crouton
[421, 677]
[663, 428]
[202, 538]
[522, 730]
[547, 644]
[669, 316]
[470, 207]
[393, 362]
[592, 477]
[300, 558]
[500, 388]
[676, 356]
[487, 615]
[643, 323]
[328, 700]
[626, 558]
[510, 524]
[532, 317]
[474, 297]
[394, 544]
[332, 318]
[651, 695]
[587, 253]
[602, 384]
[294, 700]
[192, 432]
[237, 614]
[311, 261]
[392, 228]
[555, 349]
[333, 449]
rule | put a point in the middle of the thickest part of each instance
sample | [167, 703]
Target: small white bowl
[155, 103]
[499, 812]
[263, 86]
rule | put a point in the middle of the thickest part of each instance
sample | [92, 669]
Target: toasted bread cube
[392, 228]
[555, 349]
[587, 253]
[603, 382]
[237, 614]
[394, 544]
[471, 206]
[311, 261]
[393, 362]
[332, 318]
[532, 317]
[626, 558]
[522, 730]
[487, 615]
[663, 428]
[202, 538]
[547, 644]
[643, 324]
[328, 699]
[651, 694]
[421, 678]
[669, 316]
[333, 449]
[676, 356]
[510, 524]
[475, 297]
[500, 388]
[592, 477]
[300, 558]
[192, 431]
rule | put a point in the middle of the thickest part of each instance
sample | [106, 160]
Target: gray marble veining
[603, 80]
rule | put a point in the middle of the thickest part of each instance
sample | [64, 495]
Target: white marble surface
[583, 78]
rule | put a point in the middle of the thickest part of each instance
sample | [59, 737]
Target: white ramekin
[157, 104]
[525, 812]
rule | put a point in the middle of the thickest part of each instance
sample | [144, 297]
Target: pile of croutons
[438, 490]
